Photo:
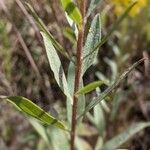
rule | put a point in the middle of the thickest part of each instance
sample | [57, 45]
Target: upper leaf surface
[72, 10]
[28, 107]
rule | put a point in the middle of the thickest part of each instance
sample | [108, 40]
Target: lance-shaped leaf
[40, 129]
[81, 98]
[59, 140]
[112, 29]
[117, 141]
[110, 88]
[69, 34]
[56, 65]
[43, 28]
[31, 109]
[72, 10]
[90, 87]
[93, 37]
[92, 6]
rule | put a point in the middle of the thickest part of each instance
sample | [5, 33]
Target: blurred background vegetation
[24, 68]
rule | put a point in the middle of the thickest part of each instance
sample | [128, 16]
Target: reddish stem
[80, 41]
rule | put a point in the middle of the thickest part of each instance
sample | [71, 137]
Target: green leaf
[99, 119]
[70, 80]
[43, 28]
[72, 10]
[81, 99]
[69, 34]
[93, 37]
[92, 6]
[112, 29]
[118, 98]
[118, 140]
[82, 144]
[56, 66]
[59, 139]
[40, 129]
[90, 87]
[113, 67]
[110, 89]
[31, 109]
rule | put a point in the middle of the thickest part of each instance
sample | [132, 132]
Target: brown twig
[146, 63]
[82, 6]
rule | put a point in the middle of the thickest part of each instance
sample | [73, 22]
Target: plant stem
[82, 6]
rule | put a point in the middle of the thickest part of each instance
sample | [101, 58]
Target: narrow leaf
[92, 6]
[110, 88]
[112, 29]
[40, 129]
[93, 38]
[43, 28]
[117, 141]
[90, 87]
[31, 109]
[81, 98]
[56, 66]
[70, 80]
[69, 34]
[99, 119]
[72, 10]
[59, 140]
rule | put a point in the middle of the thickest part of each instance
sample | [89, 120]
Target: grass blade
[117, 141]
[31, 109]
[110, 88]
[43, 28]
[112, 29]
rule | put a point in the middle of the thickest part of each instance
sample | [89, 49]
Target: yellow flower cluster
[120, 5]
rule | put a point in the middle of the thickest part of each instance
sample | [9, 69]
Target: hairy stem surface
[82, 5]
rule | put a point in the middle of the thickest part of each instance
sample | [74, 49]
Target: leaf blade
[93, 37]
[31, 109]
[92, 6]
[56, 65]
[117, 141]
[90, 87]
[112, 29]
[72, 10]
[43, 28]
[110, 88]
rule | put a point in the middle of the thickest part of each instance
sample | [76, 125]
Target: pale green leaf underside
[56, 66]
[117, 141]
[72, 10]
[90, 87]
[31, 109]
[110, 88]
[93, 37]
